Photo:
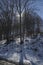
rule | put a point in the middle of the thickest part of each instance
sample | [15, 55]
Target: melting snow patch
[27, 62]
[15, 57]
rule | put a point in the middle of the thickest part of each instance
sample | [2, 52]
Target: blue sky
[39, 6]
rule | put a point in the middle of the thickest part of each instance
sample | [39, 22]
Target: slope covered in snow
[29, 52]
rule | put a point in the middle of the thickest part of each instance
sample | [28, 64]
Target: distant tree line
[32, 23]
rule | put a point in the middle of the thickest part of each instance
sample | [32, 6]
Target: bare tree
[7, 11]
[20, 6]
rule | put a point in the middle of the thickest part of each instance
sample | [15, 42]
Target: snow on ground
[30, 53]
[2, 42]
